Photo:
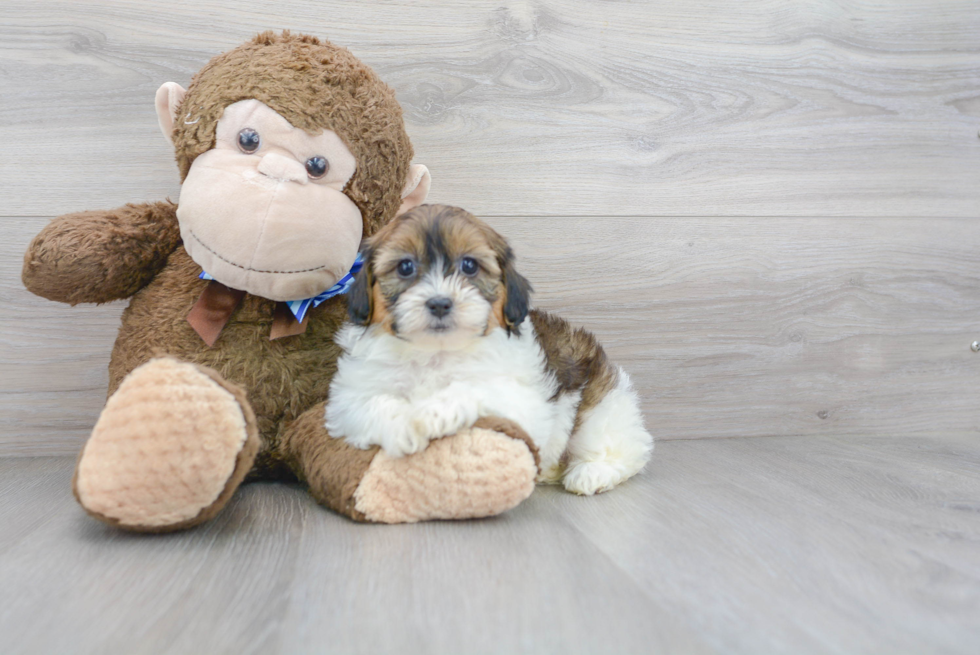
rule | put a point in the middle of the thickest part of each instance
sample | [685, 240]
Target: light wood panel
[816, 545]
[729, 327]
[53, 358]
[787, 545]
[737, 327]
[555, 107]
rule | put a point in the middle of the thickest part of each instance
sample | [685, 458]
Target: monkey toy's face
[278, 208]
[265, 209]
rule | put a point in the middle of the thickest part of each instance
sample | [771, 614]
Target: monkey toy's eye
[405, 268]
[468, 266]
[317, 167]
[248, 140]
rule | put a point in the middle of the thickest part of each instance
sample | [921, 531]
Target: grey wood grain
[729, 327]
[276, 573]
[795, 545]
[805, 545]
[53, 358]
[738, 327]
[557, 107]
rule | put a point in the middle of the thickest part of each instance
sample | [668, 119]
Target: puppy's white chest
[495, 375]
[417, 380]
[495, 360]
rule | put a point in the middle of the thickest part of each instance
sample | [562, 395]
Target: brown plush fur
[330, 467]
[314, 85]
[100, 256]
[334, 471]
[282, 378]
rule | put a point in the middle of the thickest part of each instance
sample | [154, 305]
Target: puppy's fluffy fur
[441, 335]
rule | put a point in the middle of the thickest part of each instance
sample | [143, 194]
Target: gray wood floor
[769, 545]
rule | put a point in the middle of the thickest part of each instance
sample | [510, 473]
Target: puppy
[441, 335]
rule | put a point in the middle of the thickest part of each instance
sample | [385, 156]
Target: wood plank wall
[769, 210]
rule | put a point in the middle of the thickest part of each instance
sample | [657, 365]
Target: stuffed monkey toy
[290, 151]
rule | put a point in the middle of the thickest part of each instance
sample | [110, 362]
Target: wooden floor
[770, 545]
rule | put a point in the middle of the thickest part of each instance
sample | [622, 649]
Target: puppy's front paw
[587, 478]
[439, 418]
[404, 442]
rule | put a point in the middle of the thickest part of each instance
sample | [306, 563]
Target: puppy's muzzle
[439, 307]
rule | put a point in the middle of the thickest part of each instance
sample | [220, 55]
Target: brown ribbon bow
[217, 303]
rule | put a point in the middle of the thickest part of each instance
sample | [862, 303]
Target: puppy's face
[439, 277]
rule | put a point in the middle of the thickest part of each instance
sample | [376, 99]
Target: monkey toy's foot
[481, 471]
[171, 446]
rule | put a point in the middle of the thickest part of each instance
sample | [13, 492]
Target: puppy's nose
[439, 306]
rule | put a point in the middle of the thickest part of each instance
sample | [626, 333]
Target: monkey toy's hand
[100, 256]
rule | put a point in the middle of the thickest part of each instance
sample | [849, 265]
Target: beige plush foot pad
[171, 446]
[478, 472]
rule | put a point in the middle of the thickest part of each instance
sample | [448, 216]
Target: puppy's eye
[405, 268]
[248, 140]
[317, 167]
[468, 266]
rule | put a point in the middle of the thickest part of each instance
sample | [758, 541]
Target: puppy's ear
[517, 290]
[518, 297]
[360, 305]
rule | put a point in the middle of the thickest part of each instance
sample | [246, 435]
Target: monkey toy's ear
[416, 188]
[169, 97]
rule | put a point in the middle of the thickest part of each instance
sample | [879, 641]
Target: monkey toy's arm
[99, 256]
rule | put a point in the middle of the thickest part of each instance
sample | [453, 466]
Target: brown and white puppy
[439, 338]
